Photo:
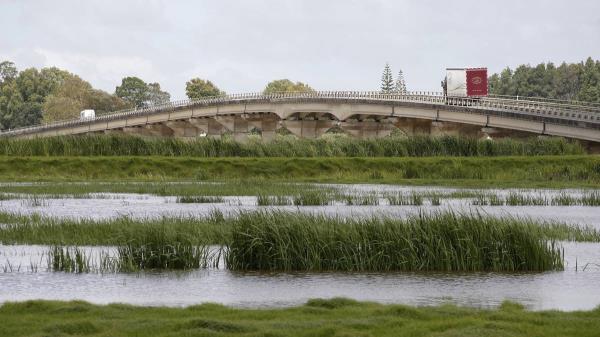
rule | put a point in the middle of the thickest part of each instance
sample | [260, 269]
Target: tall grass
[199, 199]
[524, 199]
[442, 242]
[285, 146]
[68, 259]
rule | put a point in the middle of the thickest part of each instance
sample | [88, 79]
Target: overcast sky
[329, 44]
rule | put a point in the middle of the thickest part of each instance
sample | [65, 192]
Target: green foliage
[286, 146]
[285, 85]
[133, 90]
[319, 317]
[156, 95]
[573, 81]
[22, 95]
[445, 241]
[197, 88]
[540, 171]
[68, 259]
[214, 229]
[387, 80]
[49, 94]
[8, 71]
[74, 95]
[400, 83]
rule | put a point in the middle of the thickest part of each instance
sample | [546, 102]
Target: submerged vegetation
[285, 146]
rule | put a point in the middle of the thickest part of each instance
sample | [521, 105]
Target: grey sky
[329, 44]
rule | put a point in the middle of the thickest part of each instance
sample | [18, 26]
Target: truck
[87, 114]
[466, 82]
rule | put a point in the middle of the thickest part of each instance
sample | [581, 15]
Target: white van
[87, 114]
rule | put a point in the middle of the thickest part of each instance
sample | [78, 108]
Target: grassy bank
[542, 171]
[285, 146]
[334, 317]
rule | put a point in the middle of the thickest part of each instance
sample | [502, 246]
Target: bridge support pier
[412, 126]
[308, 128]
[208, 126]
[237, 125]
[183, 129]
[367, 128]
[159, 130]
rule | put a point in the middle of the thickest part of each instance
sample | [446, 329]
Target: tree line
[569, 81]
[33, 96]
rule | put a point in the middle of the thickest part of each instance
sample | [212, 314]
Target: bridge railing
[560, 110]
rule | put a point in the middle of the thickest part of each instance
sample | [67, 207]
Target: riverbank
[334, 317]
[519, 171]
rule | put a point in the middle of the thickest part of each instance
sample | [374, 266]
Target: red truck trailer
[466, 82]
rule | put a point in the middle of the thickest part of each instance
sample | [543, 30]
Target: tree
[579, 81]
[387, 80]
[8, 71]
[23, 96]
[590, 81]
[103, 102]
[157, 96]
[68, 100]
[285, 85]
[75, 95]
[400, 84]
[133, 91]
[197, 88]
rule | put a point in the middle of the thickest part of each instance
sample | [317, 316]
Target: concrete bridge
[361, 114]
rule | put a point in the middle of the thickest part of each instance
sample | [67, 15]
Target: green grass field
[335, 317]
[537, 171]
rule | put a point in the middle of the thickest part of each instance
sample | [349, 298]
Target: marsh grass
[407, 199]
[285, 146]
[558, 171]
[273, 200]
[199, 199]
[69, 259]
[442, 242]
[278, 240]
[526, 199]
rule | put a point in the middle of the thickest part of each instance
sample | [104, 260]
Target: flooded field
[111, 205]
[25, 273]
[565, 290]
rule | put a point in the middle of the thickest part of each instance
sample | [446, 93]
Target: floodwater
[24, 274]
[111, 205]
[563, 290]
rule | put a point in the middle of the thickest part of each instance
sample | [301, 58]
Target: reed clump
[445, 241]
[199, 199]
[161, 248]
[285, 146]
[525, 199]
[68, 259]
